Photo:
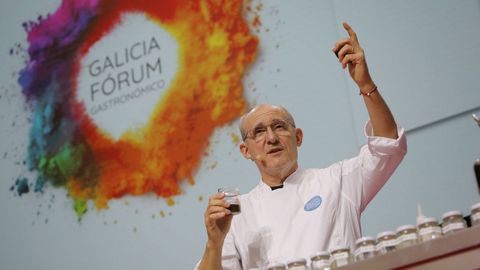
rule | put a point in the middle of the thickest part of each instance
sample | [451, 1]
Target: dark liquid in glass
[234, 208]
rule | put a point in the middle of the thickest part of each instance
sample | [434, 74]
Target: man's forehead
[263, 114]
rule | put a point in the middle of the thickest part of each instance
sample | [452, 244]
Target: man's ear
[299, 136]
[245, 151]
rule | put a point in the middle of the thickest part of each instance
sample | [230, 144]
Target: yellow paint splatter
[170, 201]
[235, 138]
[213, 165]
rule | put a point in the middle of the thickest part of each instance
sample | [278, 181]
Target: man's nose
[272, 137]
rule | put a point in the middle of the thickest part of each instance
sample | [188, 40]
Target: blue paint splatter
[22, 186]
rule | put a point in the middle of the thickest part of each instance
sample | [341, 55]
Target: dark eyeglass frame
[280, 127]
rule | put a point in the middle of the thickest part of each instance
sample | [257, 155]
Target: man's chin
[278, 164]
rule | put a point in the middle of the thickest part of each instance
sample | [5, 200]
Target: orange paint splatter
[215, 48]
[256, 22]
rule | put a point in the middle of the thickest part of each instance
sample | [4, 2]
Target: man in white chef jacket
[294, 212]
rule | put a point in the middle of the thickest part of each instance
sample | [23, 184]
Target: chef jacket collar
[292, 179]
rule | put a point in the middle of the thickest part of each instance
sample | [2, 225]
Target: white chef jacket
[316, 210]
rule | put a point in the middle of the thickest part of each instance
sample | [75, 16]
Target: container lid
[320, 253]
[365, 238]
[452, 213]
[340, 247]
[302, 261]
[475, 206]
[405, 227]
[428, 220]
[275, 264]
[386, 233]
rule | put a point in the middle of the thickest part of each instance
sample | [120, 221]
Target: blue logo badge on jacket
[313, 203]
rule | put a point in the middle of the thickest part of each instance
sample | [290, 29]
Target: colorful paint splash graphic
[68, 150]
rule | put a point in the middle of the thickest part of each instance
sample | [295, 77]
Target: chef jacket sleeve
[363, 176]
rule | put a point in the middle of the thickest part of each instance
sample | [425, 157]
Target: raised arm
[351, 55]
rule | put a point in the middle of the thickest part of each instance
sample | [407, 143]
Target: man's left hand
[350, 54]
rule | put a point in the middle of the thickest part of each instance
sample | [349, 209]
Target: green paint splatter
[80, 207]
[64, 164]
[69, 159]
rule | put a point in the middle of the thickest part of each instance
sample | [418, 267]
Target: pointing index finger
[350, 31]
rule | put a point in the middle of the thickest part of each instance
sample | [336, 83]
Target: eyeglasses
[278, 127]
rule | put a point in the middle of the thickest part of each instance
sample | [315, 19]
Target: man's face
[271, 139]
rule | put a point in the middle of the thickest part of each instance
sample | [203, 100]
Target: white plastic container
[453, 221]
[297, 264]
[276, 266]
[428, 229]
[320, 261]
[364, 248]
[475, 214]
[340, 256]
[386, 242]
[406, 236]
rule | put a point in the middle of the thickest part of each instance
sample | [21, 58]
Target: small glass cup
[231, 197]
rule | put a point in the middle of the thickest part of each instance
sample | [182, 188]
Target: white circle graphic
[125, 74]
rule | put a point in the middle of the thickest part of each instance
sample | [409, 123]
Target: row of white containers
[367, 247]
